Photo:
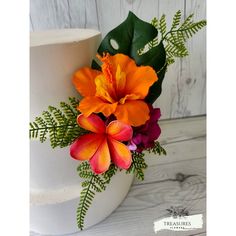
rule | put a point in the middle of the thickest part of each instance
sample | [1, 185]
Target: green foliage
[92, 184]
[109, 173]
[154, 22]
[176, 20]
[154, 42]
[138, 165]
[131, 36]
[175, 39]
[57, 124]
[157, 149]
[156, 89]
[162, 25]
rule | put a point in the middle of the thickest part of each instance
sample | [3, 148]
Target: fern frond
[34, 130]
[162, 25]
[86, 198]
[153, 43]
[92, 184]
[169, 60]
[174, 40]
[74, 102]
[100, 183]
[57, 124]
[83, 166]
[176, 20]
[187, 21]
[49, 119]
[109, 173]
[138, 165]
[154, 22]
[175, 49]
[157, 149]
[69, 111]
[192, 28]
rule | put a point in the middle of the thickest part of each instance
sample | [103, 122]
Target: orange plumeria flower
[103, 145]
[119, 89]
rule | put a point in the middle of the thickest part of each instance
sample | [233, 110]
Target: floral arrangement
[114, 123]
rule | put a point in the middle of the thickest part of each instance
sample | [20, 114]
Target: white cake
[55, 186]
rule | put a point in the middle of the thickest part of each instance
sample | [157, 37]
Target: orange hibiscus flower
[119, 89]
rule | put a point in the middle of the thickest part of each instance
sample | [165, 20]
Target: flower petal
[120, 81]
[92, 123]
[83, 81]
[134, 113]
[120, 154]
[88, 105]
[86, 146]
[119, 131]
[104, 89]
[101, 160]
[129, 97]
[126, 63]
[139, 81]
[155, 131]
[155, 114]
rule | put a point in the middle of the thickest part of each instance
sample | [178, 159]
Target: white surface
[51, 169]
[184, 87]
[59, 216]
[147, 201]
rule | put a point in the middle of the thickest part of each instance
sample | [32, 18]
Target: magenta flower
[145, 135]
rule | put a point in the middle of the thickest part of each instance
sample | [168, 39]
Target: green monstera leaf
[156, 89]
[128, 38]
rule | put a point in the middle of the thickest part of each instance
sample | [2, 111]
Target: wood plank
[182, 129]
[178, 151]
[104, 16]
[91, 15]
[76, 13]
[146, 10]
[49, 14]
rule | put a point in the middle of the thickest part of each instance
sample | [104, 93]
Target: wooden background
[184, 87]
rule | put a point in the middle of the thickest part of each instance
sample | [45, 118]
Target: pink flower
[145, 135]
[103, 145]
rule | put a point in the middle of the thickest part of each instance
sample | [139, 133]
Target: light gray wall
[184, 87]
